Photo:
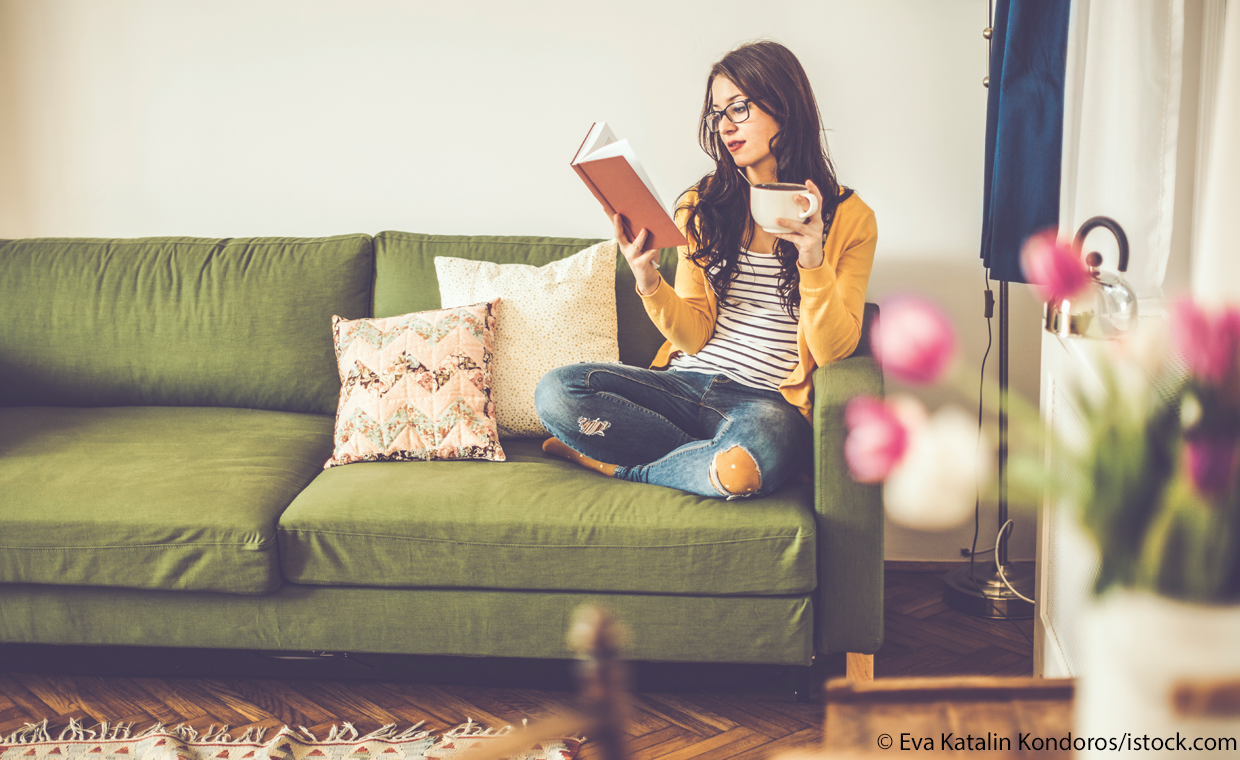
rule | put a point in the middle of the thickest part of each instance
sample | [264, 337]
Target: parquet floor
[922, 637]
[712, 718]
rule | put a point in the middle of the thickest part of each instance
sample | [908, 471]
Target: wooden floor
[720, 716]
[922, 637]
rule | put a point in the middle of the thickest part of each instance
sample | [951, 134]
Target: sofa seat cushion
[178, 498]
[538, 523]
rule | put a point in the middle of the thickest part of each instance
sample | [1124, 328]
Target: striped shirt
[755, 341]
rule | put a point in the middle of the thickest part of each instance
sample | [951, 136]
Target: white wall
[312, 117]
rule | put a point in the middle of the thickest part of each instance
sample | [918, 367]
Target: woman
[751, 315]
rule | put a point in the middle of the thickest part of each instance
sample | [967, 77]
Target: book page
[622, 148]
[600, 136]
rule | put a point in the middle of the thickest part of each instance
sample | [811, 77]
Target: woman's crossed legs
[700, 433]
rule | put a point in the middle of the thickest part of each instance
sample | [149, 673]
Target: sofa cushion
[417, 387]
[242, 322]
[405, 277]
[151, 497]
[538, 523]
[560, 313]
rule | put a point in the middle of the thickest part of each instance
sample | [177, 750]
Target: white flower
[935, 485]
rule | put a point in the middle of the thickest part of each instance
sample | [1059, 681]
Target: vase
[1155, 677]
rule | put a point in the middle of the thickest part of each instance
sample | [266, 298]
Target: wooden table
[956, 714]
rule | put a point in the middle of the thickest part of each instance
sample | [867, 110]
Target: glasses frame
[715, 118]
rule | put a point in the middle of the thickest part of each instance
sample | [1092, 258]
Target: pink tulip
[876, 439]
[1207, 342]
[1211, 463]
[1054, 268]
[914, 339]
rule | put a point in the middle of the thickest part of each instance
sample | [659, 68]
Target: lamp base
[983, 594]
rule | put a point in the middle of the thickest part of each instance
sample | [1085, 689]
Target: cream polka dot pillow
[549, 316]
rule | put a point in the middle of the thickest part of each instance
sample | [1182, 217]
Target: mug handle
[813, 206]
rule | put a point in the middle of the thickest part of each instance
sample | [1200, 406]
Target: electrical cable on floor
[999, 567]
[981, 387]
[1016, 625]
[971, 552]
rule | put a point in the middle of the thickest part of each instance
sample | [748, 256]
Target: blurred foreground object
[598, 638]
[982, 715]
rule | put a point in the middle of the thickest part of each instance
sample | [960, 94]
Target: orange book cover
[614, 175]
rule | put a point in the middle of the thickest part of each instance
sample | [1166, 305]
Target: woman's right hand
[645, 264]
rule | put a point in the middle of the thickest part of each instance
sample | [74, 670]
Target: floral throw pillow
[416, 387]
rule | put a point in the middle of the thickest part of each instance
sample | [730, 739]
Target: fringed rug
[160, 742]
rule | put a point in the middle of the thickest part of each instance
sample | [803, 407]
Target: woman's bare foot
[557, 448]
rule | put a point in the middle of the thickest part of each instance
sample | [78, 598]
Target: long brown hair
[719, 224]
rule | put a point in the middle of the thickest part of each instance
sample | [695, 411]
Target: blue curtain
[1024, 129]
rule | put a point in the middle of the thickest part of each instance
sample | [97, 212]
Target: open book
[610, 168]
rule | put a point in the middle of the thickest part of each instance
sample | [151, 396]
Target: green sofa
[166, 407]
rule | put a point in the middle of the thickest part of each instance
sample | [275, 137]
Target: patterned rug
[159, 742]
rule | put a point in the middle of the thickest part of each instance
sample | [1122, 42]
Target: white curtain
[1121, 125]
[1216, 254]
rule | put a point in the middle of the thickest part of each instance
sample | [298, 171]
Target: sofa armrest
[849, 516]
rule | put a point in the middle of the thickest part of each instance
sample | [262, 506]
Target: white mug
[777, 200]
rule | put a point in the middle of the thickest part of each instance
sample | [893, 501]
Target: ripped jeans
[669, 427]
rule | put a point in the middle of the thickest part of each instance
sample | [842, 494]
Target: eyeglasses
[736, 113]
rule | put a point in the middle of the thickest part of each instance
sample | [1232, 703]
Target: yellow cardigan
[832, 302]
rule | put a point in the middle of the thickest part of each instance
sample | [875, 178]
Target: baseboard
[929, 565]
[922, 565]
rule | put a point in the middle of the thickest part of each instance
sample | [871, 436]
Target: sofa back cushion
[242, 322]
[405, 279]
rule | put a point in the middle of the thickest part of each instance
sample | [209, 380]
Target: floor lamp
[995, 587]
[1032, 30]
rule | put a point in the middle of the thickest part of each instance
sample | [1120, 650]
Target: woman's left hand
[806, 235]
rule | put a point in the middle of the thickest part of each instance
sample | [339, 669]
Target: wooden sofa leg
[860, 667]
